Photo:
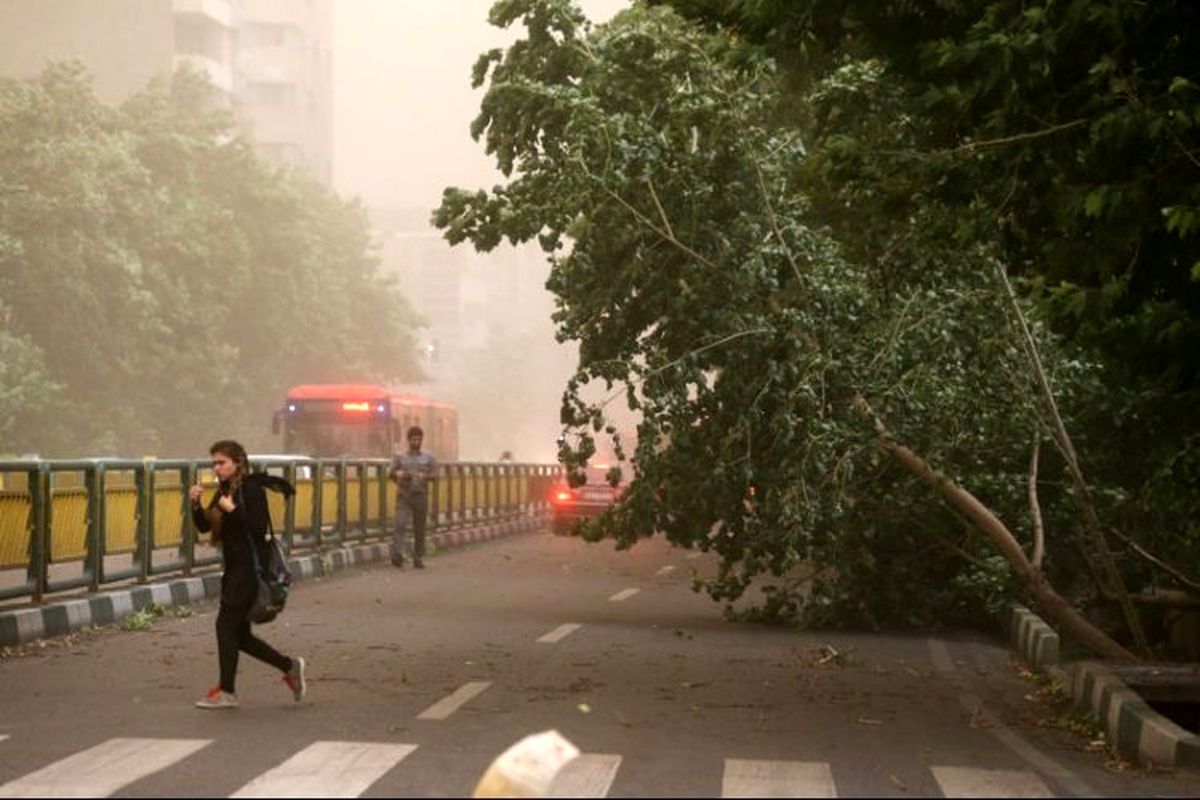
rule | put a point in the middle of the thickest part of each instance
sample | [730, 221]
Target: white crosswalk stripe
[588, 775]
[104, 769]
[751, 778]
[328, 769]
[974, 782]
[349, 769]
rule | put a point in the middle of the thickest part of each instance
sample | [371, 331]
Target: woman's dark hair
[235, 453]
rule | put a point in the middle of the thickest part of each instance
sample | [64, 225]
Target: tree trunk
[1048, 601]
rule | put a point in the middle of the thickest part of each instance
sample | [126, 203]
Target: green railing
[86, 523]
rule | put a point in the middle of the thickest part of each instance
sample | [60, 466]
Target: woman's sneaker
[217, 699]
[294, 678]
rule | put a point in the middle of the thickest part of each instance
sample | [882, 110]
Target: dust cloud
[403, 106]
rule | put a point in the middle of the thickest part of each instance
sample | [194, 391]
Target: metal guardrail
[93, 512]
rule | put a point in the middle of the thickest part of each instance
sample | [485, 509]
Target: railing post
[342, 517]
[289, 508]
[382, 475]
[463, 476]
[435, 500]
[97, 526]
[188, 477]
[38, 485]
[143, 478]
[318, 502]
[489, 491]
[364, 519]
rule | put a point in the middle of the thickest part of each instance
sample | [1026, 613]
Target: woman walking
[238, 518]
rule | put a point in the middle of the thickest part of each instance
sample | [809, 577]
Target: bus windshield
[332, 438]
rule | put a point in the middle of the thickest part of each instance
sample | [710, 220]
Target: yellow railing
[48, 514]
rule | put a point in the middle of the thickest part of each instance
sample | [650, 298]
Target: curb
[1136, 730]
[107, 608]
[1033, 639]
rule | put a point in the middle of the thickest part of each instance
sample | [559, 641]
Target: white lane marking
[102, 770]
[451, 703]
[328, 769]
[3, 736]
[1027, 752]
[624, 594]
[1030, 754]
[693, 556]
[940, 655]
[749, 778]
[974, 782]
[667, 570]
[559, 633]
[587, 775]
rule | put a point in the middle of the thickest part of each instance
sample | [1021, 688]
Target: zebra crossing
[350, 768]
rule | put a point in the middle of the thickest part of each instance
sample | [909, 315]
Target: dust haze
[403, 106]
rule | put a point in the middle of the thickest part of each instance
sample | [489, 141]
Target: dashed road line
[559, 633]
[667, 570]
[692, 556]
[451, 703]
[587, 775]
[751, 778]
[328, 769]
[941, 656]
[104, 769]
[622, 595]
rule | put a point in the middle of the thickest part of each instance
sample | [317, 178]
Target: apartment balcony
[278, 12]
[219, 11]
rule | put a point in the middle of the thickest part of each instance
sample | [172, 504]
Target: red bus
[351, 420]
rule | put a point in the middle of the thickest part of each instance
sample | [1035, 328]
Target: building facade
[271, 59]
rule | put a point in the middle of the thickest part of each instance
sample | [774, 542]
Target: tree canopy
[773, 247]
[159, 284]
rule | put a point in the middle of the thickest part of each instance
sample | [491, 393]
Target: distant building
[271, 59]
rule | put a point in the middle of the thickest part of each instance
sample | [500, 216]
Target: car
[569, 505]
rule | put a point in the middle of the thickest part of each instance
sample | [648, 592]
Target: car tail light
[562, 496]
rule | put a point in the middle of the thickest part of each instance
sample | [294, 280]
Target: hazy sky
[403, 101]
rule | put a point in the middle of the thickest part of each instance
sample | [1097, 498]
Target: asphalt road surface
[418, 679]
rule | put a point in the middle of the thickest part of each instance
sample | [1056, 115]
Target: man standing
[413, 472]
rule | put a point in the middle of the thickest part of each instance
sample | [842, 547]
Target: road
[418, 679]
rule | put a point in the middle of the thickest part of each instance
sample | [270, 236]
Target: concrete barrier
[1136, 730]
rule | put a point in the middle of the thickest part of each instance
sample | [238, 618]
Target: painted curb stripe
[328, 769]
[104, 769]
[451, 703]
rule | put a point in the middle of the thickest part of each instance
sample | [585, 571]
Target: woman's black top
[238, 583]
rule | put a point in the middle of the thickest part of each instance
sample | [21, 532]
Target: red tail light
[562, 496]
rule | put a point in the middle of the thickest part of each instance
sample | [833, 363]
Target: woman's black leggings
[233, 634]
